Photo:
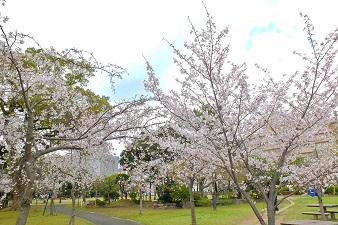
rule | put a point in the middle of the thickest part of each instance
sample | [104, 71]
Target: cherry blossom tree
[44, 109]
[258, 129]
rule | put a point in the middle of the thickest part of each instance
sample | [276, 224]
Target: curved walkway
[279, 219]
[96, 218]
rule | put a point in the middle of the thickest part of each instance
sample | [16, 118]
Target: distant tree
[122, 180]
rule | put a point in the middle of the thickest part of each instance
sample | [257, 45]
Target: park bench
[332, 212]
[309, 222]
[316, 214]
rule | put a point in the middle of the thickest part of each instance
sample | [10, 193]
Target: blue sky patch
[248, 45]
[132, 84]
[258, 30]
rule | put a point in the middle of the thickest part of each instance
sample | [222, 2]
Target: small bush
[228, 194]
[113, 195]
[133, 197]
[332, 190]
[180, 193]
[166, 197]
[197, 197]
[202, 202]
[225, 201]
[99, 202]
[284, 191]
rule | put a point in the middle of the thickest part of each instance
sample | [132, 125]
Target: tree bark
[141, 197]
[150, 191]
[320, 201]
[272, 206]
[28, 194]
[18, 191]
[72, 215]
[214, 196]
[192, 202]
[271, 214]
[84, 196]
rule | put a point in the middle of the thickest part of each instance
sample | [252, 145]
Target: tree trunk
[52, 205]
[320, 201]
[28, 194]
[192, 202]
[214, 197]
[18, 190]
[201, 187]
[84, 196]
[36, 203]
[150, 192]
[28, 163]
[272, 206]
[72, 215]
[125, 192]
[141, 197]
[271, 213]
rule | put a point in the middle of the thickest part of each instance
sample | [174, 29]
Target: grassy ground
[295, 212]
[35, 217]
[230, 215]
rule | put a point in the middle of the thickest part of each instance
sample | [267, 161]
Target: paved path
[96, 218]
[279, 218]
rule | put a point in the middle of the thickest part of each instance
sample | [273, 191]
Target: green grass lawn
[295, 212]
[35, 217]
[230, 214]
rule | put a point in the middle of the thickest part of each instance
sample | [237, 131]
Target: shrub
[228, 195]
[113, 195]
[225, 202]
[202, 202]
[166, 197]
[284, 191]
[197, 197]
[180, 193]
[133, 196]
[332, 190]
[99, 202]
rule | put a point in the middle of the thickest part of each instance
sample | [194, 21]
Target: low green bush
[203, 202]
[225, 201]
[332, 190]
[133, 196]
[228, 194]
[284, 190]
[113, 195]
[99, 202]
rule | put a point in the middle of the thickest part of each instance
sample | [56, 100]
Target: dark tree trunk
[192, 202]
[72, 215]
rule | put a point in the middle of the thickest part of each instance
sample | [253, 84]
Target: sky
[122, 32]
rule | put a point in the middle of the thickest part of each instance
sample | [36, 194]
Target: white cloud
[121, 31]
